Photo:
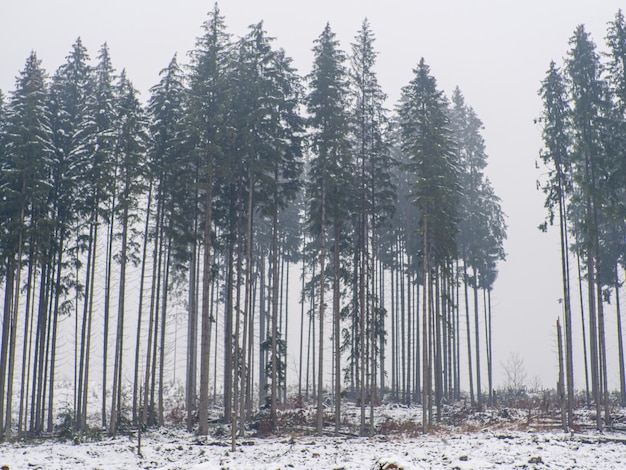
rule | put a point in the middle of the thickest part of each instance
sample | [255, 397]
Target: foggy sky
[496, 51]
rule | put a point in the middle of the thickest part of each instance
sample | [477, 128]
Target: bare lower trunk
[320, 378]
[117, 366]
[337, 332]
[205, 341]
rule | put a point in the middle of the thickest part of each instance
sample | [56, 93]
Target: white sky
[496, 51]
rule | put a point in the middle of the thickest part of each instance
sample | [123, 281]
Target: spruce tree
[427, 143]
[130, 146]
[169, 169]
[70, 93]
[375, 194]
[329, 185]
[265, 105]
[25, 190]
[208, 96]
[589, 106]
[616, 142]
[557, 140]
[96, 129]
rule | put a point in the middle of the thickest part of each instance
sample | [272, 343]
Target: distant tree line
[236, 177]
[584, 134]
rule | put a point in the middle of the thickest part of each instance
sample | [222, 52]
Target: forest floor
[526, 436]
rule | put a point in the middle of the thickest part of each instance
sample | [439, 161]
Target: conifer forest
[257, 238]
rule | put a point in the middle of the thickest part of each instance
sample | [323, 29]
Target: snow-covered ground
[180, 450]
[508, 438]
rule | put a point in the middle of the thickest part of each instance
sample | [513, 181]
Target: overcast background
[496, 51]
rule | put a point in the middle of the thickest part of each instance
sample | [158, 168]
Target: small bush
[66, 429]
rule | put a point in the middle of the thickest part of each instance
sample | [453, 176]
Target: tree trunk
[477, 339]
[13, 341]
[192, 335]
[55, 321]
[6, 330]
[320, 387]
[469, 336]
[569, 354]
[27, 349]
[362, 320]
[262, 338]
[166, 283]
[144, 256]
[117, 366]
[337, 326]
[107, 305]
[274, 306]
[584, 336]
[561, 382]
[425, 331]
[205, 340]
[620, 343]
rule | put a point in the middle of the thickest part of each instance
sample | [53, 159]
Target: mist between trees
[142, 242]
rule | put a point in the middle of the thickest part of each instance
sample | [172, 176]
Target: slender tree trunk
[438, 345]
[593, 333]
[147, 411]
[284, 287]
[26, 349]
[490, 348]
[337, 326]
[584, 336]
[164, 317]
[250, 361]
[117, 366]
[87, 340]
[602, 347]
[457, 355]
[55, 321]
[477, 339]
[40, 364]
[406, 395]
[382, 332]
[376, 318]
[469, 336]
[409, 328]
[425, 331]
[561, 382]
[362, 320]
[444, 297]
[229, 364]
[107, 306]
[569, 354]
[157, 284]
[302, 303]
[417, 348]
[237, 312]
[213, 315]
[247, 311]
[205, 340]
[620, 343]
[13, 334]
[6, 330]
[311, 344]
[394, 336]
[262, 337]
[322, 305]
[144, 256]
[274, 307]
[192, 335]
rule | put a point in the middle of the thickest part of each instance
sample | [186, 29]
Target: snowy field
[463, 451]
[496, 438]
